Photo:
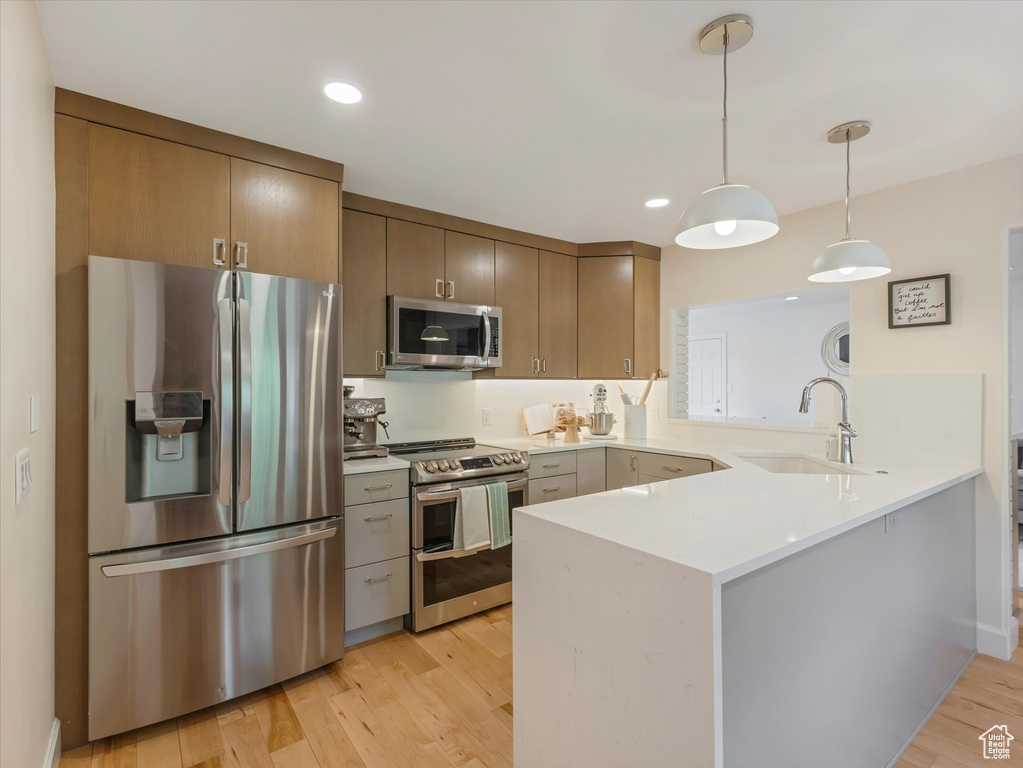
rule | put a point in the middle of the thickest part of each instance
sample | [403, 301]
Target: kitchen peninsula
[742, 617]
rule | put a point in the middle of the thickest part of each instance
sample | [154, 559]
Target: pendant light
[728, 215]
[849, 259]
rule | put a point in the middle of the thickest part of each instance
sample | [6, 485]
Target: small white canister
[635, 422]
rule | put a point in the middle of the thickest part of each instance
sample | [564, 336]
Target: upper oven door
[443, 334]
[433, 521]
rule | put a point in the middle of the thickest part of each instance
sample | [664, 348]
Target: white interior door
[707, 377]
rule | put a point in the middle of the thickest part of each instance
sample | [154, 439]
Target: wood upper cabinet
[468, 269]
[516, 292]
[558, 318]
[415, 260]
[284, 223]
[155, 200]
[606, 322]
[364, 280]
[619, 317]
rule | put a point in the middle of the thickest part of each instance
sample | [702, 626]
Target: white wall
[27, 351]
[952, 223]
[772, 352]
[1016, 329]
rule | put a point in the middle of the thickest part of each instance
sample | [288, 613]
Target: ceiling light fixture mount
[728, 215]
[849, 259]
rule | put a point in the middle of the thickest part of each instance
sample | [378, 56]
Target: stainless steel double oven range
[446, 585]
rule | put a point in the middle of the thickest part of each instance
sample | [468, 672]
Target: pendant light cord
[724, 118]
[848, 214]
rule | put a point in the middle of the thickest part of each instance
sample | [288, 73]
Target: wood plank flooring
[443, 699]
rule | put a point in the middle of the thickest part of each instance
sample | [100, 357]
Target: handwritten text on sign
[922, 302]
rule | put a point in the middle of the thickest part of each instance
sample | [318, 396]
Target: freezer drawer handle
[372, 519]
[377, 487]
[378, 578]
[188, 561]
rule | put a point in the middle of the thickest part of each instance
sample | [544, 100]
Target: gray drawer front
[380, 598]
[550, 464]
[551, 489]
[375, 532]
[376, 486]
[667, 467]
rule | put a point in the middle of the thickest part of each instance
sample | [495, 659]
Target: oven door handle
[425, 557]
[453, 493]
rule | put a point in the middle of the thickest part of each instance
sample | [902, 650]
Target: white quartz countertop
[734, 521]
[379, 464]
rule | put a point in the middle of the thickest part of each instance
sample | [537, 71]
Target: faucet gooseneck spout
[844, 427]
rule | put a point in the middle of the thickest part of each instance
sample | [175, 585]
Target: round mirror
[835, 349]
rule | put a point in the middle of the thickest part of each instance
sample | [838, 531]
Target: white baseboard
[52, 759]
[995, 642]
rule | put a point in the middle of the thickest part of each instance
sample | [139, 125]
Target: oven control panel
[475, 466]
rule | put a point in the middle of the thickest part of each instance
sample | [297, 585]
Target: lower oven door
[446, 586]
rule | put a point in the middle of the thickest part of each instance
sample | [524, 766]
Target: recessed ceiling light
[657, 202]
[791, 298]
[343, 92]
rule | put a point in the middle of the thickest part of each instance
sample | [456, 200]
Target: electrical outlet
[655, 412]
[22, 475]
[488, 417]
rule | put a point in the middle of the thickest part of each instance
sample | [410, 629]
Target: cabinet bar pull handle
[451, 289]
[439, 288]
[380, 360]
[377, 487]
[241, 251]
[378, 578]
[218, 248]
[632, 461]
[551, 466]
[628, 366]
[544, 368]
[372, 519]
[534, 364]
[555, 489]
[672, 469]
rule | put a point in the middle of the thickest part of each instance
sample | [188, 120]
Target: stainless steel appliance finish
[215, 487]
[361, 419]
[209, 621]
[432, 333]
[449, 585]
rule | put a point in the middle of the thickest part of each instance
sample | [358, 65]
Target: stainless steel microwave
[432, 333]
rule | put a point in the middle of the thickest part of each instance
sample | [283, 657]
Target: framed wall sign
[920, 301]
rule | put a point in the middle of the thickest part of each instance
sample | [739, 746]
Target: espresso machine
[361, 419]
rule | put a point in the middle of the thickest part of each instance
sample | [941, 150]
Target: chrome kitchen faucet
[844, 427]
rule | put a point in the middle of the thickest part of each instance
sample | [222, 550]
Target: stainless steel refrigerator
[215, 486]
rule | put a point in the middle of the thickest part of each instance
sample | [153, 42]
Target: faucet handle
[846, 427]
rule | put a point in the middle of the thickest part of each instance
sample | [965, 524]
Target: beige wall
[26, 367]
[952, 223]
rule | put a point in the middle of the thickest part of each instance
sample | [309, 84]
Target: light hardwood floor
[444, 698]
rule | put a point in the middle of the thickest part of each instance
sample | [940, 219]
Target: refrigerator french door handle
[226, 362]
[189, 561]
[244, 402]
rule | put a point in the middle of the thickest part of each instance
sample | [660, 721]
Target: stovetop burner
[435, 461]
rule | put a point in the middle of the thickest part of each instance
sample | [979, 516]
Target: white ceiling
[563, 118]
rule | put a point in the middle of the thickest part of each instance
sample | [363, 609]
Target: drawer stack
[376, 548]
[552, 477]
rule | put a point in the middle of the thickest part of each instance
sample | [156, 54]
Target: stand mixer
[601, 420]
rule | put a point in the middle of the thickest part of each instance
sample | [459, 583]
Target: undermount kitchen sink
[795, 464]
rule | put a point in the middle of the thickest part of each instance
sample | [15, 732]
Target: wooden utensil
[646, 391]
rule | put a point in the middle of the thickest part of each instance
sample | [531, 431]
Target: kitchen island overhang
[742, 618]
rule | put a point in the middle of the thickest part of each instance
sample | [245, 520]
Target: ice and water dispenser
[168, 441]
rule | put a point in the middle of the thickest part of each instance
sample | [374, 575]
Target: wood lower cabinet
[415, 260]
[619, 317]
[468, 269]
[516, 292]
[364, 281]
[558, 319]
[284, 223]
[155, 200]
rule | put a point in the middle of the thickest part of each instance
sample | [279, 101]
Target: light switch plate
[22, 475]
[33, 413]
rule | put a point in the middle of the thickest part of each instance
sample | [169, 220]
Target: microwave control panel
[495, 335]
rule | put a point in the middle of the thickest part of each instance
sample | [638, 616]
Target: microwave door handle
[486, 336]
[245, 402]
[226, 369]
